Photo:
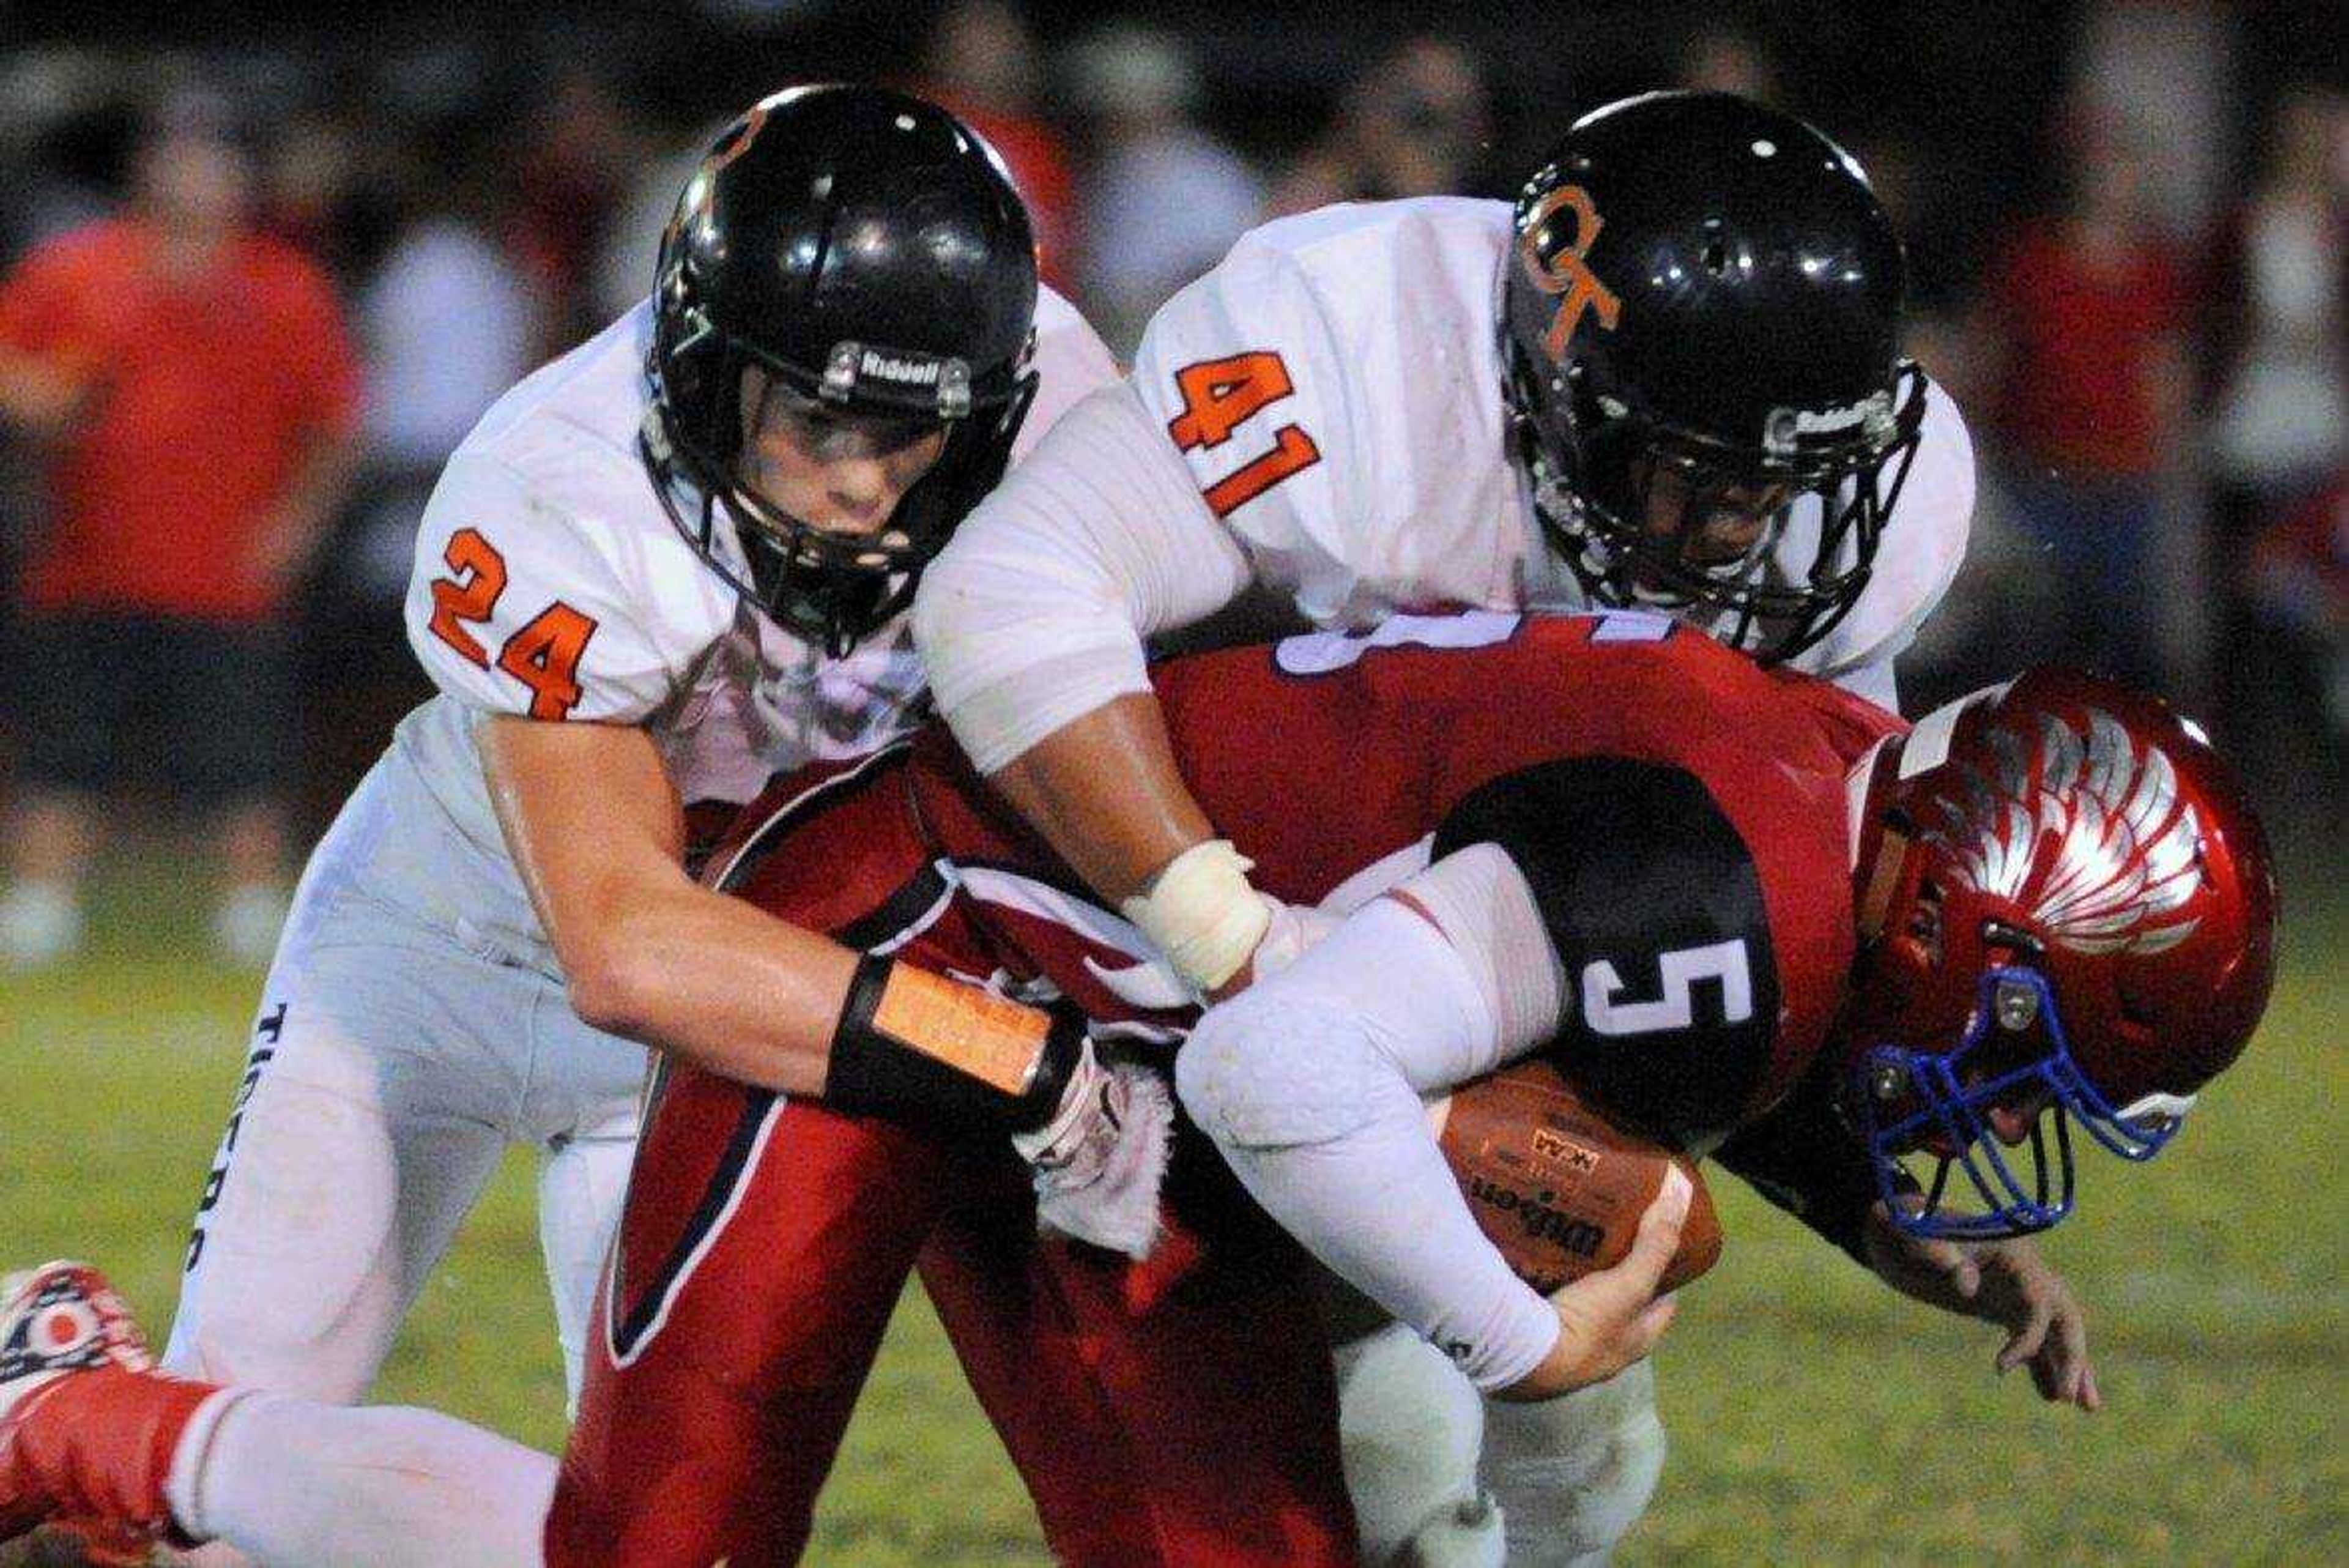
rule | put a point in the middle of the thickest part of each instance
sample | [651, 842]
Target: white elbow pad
[1298, 1058]
[1274, 1074]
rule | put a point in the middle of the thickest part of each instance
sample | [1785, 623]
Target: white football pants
[1559, 1483]
[391, 1066]
[295, 1483]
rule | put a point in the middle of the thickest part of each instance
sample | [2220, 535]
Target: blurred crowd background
[259, 275]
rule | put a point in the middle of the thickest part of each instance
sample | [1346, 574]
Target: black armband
[917, 1047]
[1804, 1159]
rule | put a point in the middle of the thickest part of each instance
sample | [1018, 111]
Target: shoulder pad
[526, 599]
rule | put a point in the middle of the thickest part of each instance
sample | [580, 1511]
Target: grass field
[1815, 1418]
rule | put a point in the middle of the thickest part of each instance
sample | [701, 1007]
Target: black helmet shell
[1705, 285]
[1754, 266]
[868, 251]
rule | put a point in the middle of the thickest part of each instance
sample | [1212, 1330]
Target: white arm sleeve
[1482, 905]
[1310, 1083]
[1035, 613]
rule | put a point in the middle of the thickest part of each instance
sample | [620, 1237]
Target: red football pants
[1157, 1420]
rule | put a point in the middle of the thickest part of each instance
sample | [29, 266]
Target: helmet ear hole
[2131, 1021]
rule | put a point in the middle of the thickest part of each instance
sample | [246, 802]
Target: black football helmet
[1705, 298]
[867, 254]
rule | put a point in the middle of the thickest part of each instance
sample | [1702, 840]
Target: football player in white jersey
[667, 566]
[1669, 377]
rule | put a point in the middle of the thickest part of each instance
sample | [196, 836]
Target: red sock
[97, 1444]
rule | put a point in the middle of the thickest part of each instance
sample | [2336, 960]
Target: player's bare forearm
[596, 829]
[721, 984]
[1105, 793]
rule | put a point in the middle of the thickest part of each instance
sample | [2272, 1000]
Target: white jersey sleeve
[1923, 545]
[1241, 372]
[1072, 363]
[1035, 614]
[1334, 387]
[1321, 414]
[525, 601]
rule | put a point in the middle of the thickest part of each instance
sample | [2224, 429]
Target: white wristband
[1201, 914]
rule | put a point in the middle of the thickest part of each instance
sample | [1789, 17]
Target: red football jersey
[1681, 813]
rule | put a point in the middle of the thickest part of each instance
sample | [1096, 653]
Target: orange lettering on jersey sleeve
[544, 655]
[469, 595]
[1244, 485]
[1218, 396]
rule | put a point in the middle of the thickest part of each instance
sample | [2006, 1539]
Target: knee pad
[1574, 1474]
[1409, 1427]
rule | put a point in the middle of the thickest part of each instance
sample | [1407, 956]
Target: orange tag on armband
[976, 1033]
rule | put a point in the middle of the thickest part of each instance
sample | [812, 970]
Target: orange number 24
[543, 655]
[1218, 395]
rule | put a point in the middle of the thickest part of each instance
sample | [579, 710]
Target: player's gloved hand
[2006, 1282]
[1291, 931]
[1610, 1319]
[1101, 1160]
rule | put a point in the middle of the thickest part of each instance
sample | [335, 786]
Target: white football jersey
[550, 581]
[1335, 385]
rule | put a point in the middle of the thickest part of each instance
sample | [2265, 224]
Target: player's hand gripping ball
[1557, 1187]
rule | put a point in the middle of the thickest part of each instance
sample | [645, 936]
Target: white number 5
[1725, 961]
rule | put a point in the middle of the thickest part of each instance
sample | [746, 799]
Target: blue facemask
[1908, 1098]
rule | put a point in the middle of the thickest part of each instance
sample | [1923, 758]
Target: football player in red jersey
[1730, 899]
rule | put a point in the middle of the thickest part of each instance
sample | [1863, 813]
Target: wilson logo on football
[1564, 270]
[1539, 1218]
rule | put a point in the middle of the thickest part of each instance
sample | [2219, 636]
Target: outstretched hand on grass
[2006, 1282]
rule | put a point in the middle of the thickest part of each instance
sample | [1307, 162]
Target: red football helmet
[2066, 903]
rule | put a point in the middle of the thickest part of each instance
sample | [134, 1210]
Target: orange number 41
[1218, 396]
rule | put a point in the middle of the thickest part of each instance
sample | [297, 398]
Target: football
[1557, 1187]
